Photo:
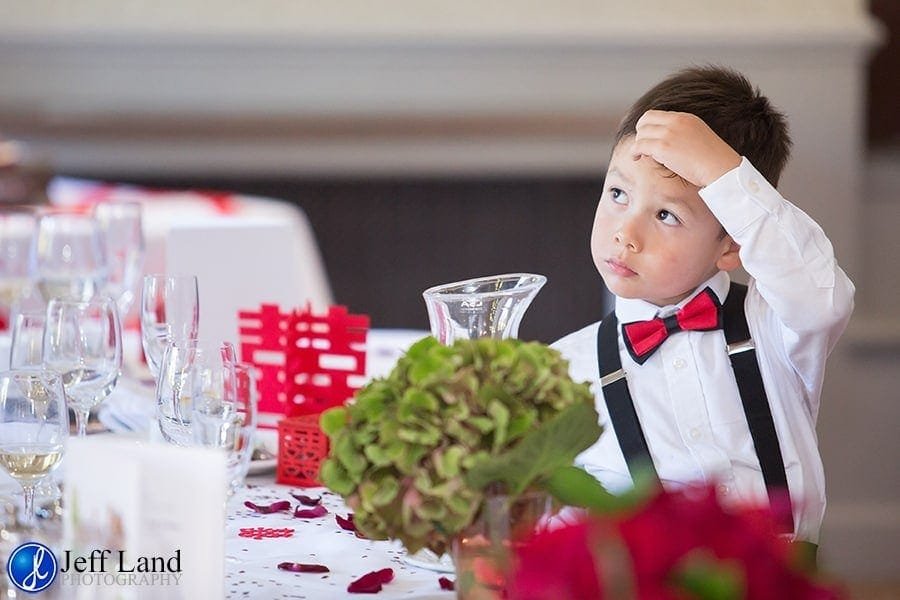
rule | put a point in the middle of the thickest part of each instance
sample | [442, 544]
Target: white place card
[142, 520]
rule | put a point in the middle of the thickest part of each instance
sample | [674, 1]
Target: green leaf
[335, 477]
[554, 444]
[333, 420]
[707, 578]
[575, 487]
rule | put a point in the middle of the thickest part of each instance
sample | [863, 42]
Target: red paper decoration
[302, 446]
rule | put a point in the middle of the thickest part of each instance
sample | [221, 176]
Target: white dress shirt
[685, 394]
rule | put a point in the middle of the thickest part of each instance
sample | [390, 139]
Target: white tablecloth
[252, 565]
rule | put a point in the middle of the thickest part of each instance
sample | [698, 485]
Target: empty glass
[123, 238]
[83, 342]
[17, 231]
[34, 426]
[170, 312]
[27, 346]
[69, 257]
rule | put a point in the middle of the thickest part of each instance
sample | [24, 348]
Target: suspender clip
[737, 347]
[612, 377]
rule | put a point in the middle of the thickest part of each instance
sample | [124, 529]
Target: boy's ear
[730, 258]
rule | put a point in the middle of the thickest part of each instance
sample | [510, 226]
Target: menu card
[142, 520]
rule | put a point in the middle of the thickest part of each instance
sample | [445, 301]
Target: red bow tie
[702, 313]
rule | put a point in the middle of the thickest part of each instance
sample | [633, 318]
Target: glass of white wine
[83, 342]
[70, 260]
[34, 426]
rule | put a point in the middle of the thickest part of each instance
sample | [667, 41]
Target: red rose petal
[302, 567]
[266, 509]
[307, 500]
[446, 584]
[371, 583]
[310, 513]
[345, 524]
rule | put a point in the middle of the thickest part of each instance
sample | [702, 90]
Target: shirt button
[696, 433]
[753, 186]
[678, 363]
[722, 489]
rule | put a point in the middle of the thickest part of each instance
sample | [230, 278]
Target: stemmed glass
[17, 229]
[27, 345]
[34, 426]
[123, 239]
[83, 342]
[170, 312]
[206, 398]
[69, 258]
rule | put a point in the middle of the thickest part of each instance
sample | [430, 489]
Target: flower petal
[371, 583]
[302, 567]
[307, 500]
[310, 513]
[446, 584]
[345, 524]
[265, 509]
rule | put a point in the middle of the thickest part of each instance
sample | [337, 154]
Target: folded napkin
[127, 410]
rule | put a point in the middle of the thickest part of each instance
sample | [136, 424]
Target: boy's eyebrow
[616, 171]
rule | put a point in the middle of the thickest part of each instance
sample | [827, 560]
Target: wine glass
[224, 416]
[187, 369]
[123, 239]
[17, 230]
[34, 425]
[83, 342]
[170, 312]
[69, 257]
[27, 346]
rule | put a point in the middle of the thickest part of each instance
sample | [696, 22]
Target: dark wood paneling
[384, 241]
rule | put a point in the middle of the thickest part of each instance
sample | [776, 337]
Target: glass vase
[491, 306]
[482, 552]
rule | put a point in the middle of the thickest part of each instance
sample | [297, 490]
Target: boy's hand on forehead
[685, 145]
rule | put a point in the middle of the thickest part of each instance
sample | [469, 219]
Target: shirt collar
[634, 309]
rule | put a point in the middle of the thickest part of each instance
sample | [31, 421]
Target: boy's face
[654, 238]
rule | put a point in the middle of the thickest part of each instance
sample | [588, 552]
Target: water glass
[17, 231]
[34, 426]
[27, 346]
[170, 312]
[83, 342]
[187, 370]
[123, 239]
[69, 258]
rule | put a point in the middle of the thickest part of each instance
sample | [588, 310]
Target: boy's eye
[617, 196]
[667, 217]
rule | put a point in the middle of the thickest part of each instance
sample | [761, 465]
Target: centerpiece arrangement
[418, 452]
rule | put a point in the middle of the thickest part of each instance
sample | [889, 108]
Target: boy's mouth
[619, 268]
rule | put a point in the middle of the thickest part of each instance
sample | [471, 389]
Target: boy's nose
[626, 236]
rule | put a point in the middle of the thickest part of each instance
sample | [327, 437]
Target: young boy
[689, 196]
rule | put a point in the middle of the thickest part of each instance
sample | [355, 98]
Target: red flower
[557, 564]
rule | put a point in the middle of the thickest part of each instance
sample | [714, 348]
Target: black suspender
[750, 385]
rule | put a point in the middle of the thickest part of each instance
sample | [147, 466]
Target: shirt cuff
[741, 197]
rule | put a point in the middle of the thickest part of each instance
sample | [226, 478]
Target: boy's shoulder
[578, 341]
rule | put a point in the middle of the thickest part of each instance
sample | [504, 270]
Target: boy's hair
[735, 110]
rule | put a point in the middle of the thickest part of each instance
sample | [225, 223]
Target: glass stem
[28, 517]
[81, 420]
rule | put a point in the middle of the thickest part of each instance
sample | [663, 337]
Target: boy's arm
[782, 248]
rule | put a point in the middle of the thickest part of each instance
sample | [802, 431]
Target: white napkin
[127, 410]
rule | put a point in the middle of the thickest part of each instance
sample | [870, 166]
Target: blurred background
[430, 142]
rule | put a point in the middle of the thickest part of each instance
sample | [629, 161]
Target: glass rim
[444, 290]
[74, 301]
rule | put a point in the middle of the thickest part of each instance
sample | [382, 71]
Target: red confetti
[302, 567]
[266, 509]
[345, 524]
[310, 513]
[371, 583]
[446, 584]
[258, 533]
[307, 500]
